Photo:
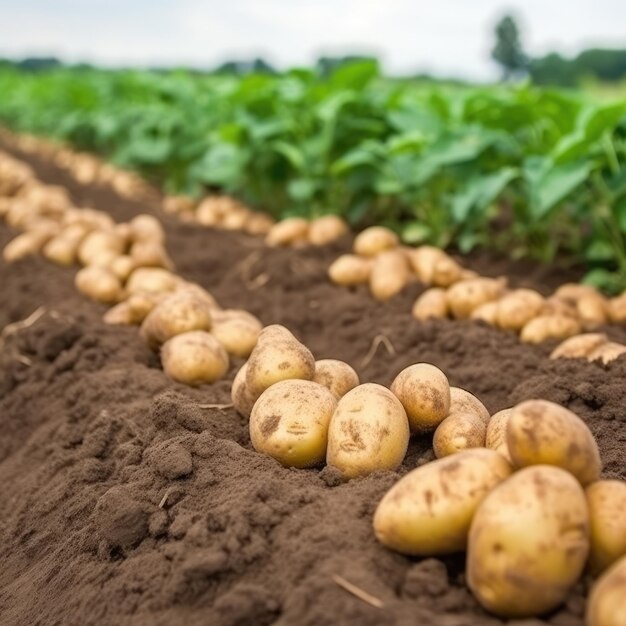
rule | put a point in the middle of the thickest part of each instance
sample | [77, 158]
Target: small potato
[368, 431]
[496, 433]
[326, 229]
[194, 358]
[99, 284]
[259, 224]
[178, 204]
[243, 399]
[289, 422]
[572, 292]
[457, 432]
[543, 433]
[607, 352]
[432, 304]
[61, 250]
[462, 401]
[122, 266]
[528, 542]
[466, 296]
[23, 245]
[446, 272]
[337, 376]
[518, 307]
[178, 313]
[200, 293]
[579, 346]
[617, 309]
[606, 500]
[547, 327]
[429, 511]
[423, 260]
[150, 254]
[288, 232]
[606, 606]
[487, 313]
[146, 228]
[593, 311]
[119, 315]
[236, 219]
[390, 274]
[152, 280]
[424, 392]
[140, 304]
[98, 242]
[236, 330]
[374, 240]
[349, 270]
[557, 306]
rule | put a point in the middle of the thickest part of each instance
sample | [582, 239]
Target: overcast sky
[450, 37]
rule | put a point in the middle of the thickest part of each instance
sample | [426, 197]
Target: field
[133, 499]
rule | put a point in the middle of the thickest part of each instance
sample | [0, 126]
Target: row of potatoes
[590, 346]
[126, 265]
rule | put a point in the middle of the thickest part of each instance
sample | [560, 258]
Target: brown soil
[125, 503]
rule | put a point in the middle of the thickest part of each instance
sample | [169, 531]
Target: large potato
[326, 229]
[546, 327]
[336, 375]
[390, 274]
[99, 284]
[289, 422]
[349, 270]
[432, 304]
[288, 232]
[539, 432]
[496, 433]
[528, 542]
[462, 401]
[457, 432]
[518, 307]
[606, 606]
[368, 431]
[374, 240]
[606, 500]
[579, 346]
[466, 296]
[236, 330]
[243, 399]
[424, 392]
[429, 511]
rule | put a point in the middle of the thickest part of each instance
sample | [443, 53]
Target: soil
[124, 502]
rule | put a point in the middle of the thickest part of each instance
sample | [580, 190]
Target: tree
[508, 50]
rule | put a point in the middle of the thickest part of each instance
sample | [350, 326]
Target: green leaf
[301, 189]
[416, 232]
[223, 165]
[292, 153]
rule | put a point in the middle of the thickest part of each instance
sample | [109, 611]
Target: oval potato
[288, 232]
[99, 284]
[466, 296]
[326, 229]
[243, 399]
[457, 432]
[374, 240]
[517, 308]
[336, 375]
[496, 433]
[390, 274]
[349, 270]
[431, 304]
[579, 346]
[236, 330]
[546, 327]
[606, 606]
[462, 401]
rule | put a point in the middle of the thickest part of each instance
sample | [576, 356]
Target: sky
[446, 37]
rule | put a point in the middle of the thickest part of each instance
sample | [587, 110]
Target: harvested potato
[289, 422]
[259, 224]
[535, 524]
[606, 606]
[122, 266]
[150, 254]
[287, 232]
[572, 292]
[177, 313]
[178, 204]
[593, 311]
[61, 250]
[368, 431]
[446, 272]
[236, 219]
[606, 500]
[579, 346]
[496, 433]
[424, 392]
[517, 308]
[457, 432]
[374, 240]
[236, 330]
[326, 229]
[487, 313]
[118, 315]
[99, 284]
[607, 352]
[429, 511]
[146, 228]
[140, 304]
[423, 260]
[390, 274]
[199, 292]
[24, 245]
[617, 309]
[98, 242]
[557, 306]
[194, 358]
[152, 280]
[243, 399]
[547, 327]
[466, 296]
[432, 304]
[462, 401]
[540, 432]
[349, 270]
[336, 375]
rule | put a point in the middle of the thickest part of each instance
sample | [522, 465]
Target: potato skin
[517, 308]
[288, 232]
[336, 375]
[349, 270]
[496, 433]
[99, 284]
[424, 392]
[462, 401]
[152, 280]
[546, 327]
[236, 330]
[374, 240]
[423, 260]
[431, 304]
[429, 511]
[466, 296]
[326, 229]
[579, 346]
[243, 400]
[606, 500]
[528, 542]
[368, 431]
[606, 606]
[459, 431]
[390, 274]
[539, 432]
[607, 352]
[289, 422]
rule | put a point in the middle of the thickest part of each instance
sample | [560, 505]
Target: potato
[528, 542]
[277, 356]
[496, 433]
[152, 280]
[466, 296]
[210, 212]
[424, 392]
[200, 293]
[97, 242]
[517, 308]
[487, 313]
[23, 245]
[617, 309]
[236, 219]
[99, 284]
[349, 270]
[122, 266]
[374, 240]
[606, 500]
[243, 399]
[337, 376]
[368, 431]
[431, 304]
[572, 292]
[429, 511]
[236, 330]
[543, 433]
[326, 229]
[61, 250]
[258, 224]
[457, 432]
[593, 311]
[423, 260]
[462, 401]
[194, 358]
[579, 346]
[119, 315]
[288, 231]
[178, 313]
[178, 204]
[446, 272]
[390, 274]
[140, 304]
[289, 422]
[607, 352]
[606, 606]
[547, 327]
[150, 254]
[557, 306]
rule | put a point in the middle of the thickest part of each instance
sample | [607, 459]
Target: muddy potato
[194, 358]
[496, 433]
[236, 330]
[429, 511]
[579, 346]
[606, 500]
[349, 270]
[540, 432]
[466, 296]
[368, 431]
[288, 231]
[374, 240]
[243, 400]
[462, 401]
[390, 274]
[607, 352]
[152, 280]
[517, 308]
[528, 542]
[446, 272]
[336, 375]
[99, 284]
[424, 392]
[547, 327]
[289, 422]
[457, 432]
[326, 229]
[606, 606]
[432, 304]
[423, 260]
